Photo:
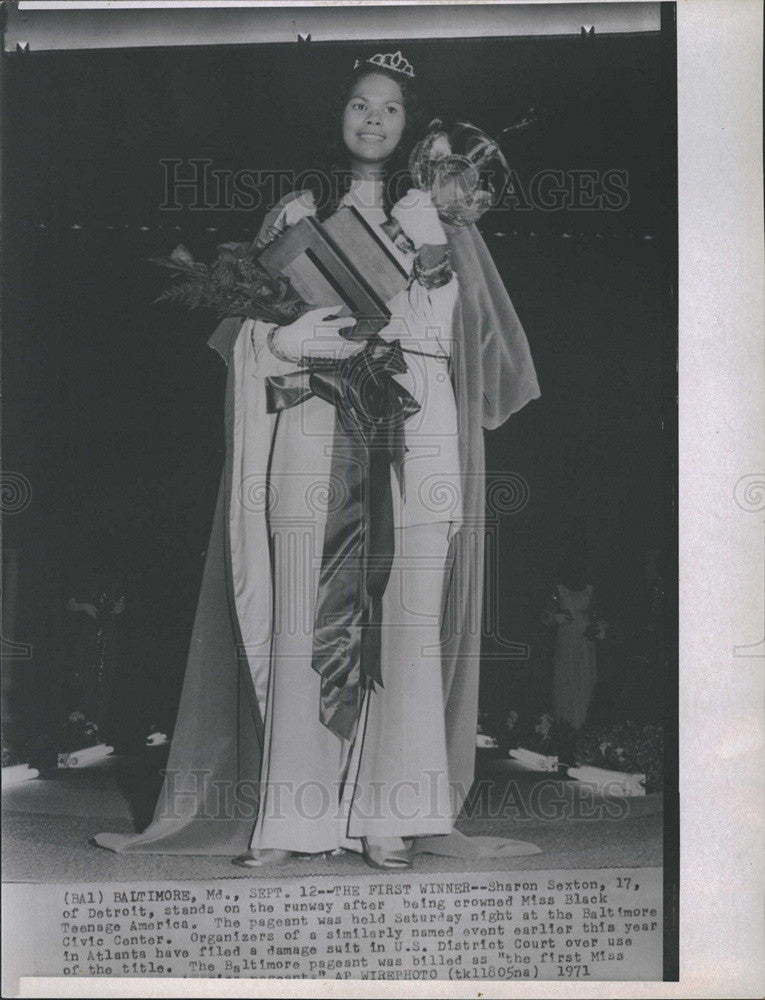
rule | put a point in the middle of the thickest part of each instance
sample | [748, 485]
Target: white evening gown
[319, 792]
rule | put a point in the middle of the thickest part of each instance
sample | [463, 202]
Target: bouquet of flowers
[235, 284]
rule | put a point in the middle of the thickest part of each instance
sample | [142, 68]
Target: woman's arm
[289, 210]
[280, 349]
[434, 289]
[429, 315]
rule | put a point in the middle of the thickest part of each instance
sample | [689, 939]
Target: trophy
[342, 261]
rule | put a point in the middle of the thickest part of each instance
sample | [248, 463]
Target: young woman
[377, 761]
[394, 776]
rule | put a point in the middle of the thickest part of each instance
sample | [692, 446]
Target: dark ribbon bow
[370, 410]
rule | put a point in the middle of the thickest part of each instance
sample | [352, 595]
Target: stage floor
[48, 823]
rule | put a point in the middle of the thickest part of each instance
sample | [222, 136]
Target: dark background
[112, 406]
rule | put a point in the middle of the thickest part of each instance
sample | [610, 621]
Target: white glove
[297, 209]
[417, 216]
[316, 334]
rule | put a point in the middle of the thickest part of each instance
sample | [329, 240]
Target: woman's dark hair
[330, 180]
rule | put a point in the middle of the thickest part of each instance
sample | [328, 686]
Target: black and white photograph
[340, 491]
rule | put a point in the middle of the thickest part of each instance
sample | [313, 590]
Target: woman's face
[374, 119]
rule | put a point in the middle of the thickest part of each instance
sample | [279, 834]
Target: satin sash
[357, 554]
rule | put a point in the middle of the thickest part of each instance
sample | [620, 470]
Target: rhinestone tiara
[389, 60]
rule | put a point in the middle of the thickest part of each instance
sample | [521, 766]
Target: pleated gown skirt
[318, 791]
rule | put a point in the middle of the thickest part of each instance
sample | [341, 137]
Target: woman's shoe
[267, 857]
[389, 853]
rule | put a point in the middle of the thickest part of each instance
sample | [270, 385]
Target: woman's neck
[369, 178]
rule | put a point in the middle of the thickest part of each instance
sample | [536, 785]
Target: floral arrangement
[548, 734]
[632, 747]
[234, 284]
